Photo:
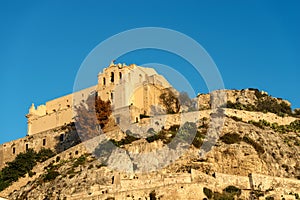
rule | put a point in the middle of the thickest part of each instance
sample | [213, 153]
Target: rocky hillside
[254, 155]
[243, 148]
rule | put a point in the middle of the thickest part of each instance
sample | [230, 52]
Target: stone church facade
[132, 90]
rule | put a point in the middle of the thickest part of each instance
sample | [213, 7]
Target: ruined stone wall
[187, 186]
[256, 116]
[73, 152]
[58, 140]
[169, 120]
[55, 113]
[51, 121]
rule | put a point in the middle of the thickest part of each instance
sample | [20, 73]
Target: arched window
[112, 77]
[104, 82]
[120, 75]
[112, 97]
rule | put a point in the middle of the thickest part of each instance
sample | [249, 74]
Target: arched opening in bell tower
[112, 77]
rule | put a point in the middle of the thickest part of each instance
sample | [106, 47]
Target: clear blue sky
[42, 44]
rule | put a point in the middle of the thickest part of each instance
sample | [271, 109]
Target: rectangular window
[112, 77]
[44, 142]
[61, 137]
[14, 150]
[27, 147]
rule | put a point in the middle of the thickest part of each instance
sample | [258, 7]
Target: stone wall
[55, 113]
[188, 186]
[123, 85]
[58, 140]
[73, 152]
[256, 116]
[169, 120]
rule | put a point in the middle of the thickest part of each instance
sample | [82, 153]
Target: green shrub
[237, 119]
[127, 140]
[44, 154]
[31, 174]
[157, 136]
[223, 196]
[174, 127]
[152, 195]
[258, 193]
[198, 140]
[292, 127]
[23, 164]
[258, 93]
[231, 138]
[270, 198]
[208, 192]
[257, 124]
[79, 161]
[240, 106]
[183, 133]
[264, 104]
[51, 175]
[296, 112]
[269, 104]
[91, 166]
[71, 176]
[233, 190]
[259, 149]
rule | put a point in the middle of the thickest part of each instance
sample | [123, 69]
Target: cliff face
[269, 152]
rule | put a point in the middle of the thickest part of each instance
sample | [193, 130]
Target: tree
[296, 112]
[103, 111]
[92, 116]
[23, 164]
[170, 101]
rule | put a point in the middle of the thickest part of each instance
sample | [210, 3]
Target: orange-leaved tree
[91, 116]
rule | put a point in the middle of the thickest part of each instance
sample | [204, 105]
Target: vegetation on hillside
[265, 103]
[23, 164]
[229, 193]
[187, 133]
[129, 138]
[292, 127]
[233, 138]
